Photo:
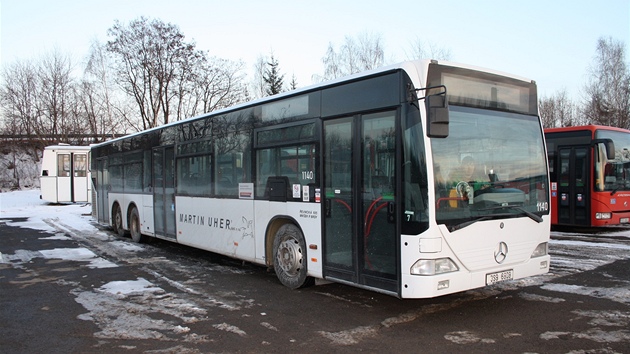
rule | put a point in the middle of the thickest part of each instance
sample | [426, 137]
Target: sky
[551, 42]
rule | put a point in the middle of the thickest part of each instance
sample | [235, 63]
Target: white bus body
[349, 181]
[65, 174]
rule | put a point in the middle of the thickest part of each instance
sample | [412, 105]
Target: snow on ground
[26, 204]
[120, 308]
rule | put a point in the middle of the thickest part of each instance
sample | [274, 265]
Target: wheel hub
[289, 257]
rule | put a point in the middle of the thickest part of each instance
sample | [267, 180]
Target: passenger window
[297, 163]
[63, 165]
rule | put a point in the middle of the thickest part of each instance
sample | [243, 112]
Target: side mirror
[607, 144]
[437, 115]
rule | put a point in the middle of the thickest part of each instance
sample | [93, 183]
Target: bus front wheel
[289, 254]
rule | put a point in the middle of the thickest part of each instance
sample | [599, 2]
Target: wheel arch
[270, 234]
[129, 209]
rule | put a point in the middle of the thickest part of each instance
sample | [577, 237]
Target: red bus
[589, 168]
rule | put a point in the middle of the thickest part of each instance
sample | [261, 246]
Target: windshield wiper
[531, 215]
[470, 222]
[614, 191]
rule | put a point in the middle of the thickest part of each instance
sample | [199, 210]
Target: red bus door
[574, 186]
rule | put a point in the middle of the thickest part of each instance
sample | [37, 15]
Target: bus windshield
[616, 171]
[491, 166]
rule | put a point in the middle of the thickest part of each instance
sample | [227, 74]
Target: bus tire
[118, 221]
[289, 255]
[134, 226]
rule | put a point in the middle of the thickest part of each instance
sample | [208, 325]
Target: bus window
[63, 165]
[194, 175]
[415, 184]
[297, 163]
[80, 165]
[231, 164]
[132, 171]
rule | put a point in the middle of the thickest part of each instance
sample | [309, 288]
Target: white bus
[351, 181]
[65, 174]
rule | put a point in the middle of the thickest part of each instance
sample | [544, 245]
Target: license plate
[493, 278]
[624, 220]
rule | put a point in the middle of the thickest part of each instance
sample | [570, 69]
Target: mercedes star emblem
[501, 252]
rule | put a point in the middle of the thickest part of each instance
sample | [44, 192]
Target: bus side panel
[81, 189]
[48, 176]
[48, 188]
[308, 218]
[64, 189]
[146, 215]
[224, 226]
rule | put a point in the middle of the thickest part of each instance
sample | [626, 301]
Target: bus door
[102, 190]
[164, 191]
[72, 183]
[360, 237]
[574, 186]
[80, 177]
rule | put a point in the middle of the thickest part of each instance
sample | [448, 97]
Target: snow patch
[535, 297]
[606, 318]
[59, 236]
[466, 337]
[131, 247]
[269, 326]
[621, 295]
[349, 337]
[229, 328]
[123, 310]
[595, 334]
[67, 254]
[128, 287]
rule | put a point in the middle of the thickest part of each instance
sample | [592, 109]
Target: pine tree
[272, 77]
[294, 84]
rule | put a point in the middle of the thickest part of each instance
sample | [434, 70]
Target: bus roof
[591, 127]
[414, 68]
[66, 147]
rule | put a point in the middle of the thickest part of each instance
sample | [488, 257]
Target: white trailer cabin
[65, 174]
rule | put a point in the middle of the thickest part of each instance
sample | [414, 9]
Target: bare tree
[355, 55]
[55, 87]
[218, 83]
[38, 100]
[166, 76]
[151, 60]
[608, 91]
[39, 107]
[420, 49]
[258, 81]
[99, 95]
[18, 95]
[559, 111]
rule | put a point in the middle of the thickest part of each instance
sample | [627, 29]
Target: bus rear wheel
[118, 221]
[134, 226]
[289, 254]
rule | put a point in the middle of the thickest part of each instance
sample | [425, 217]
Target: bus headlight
[433, 266]
[603, 216]
[541, 250]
